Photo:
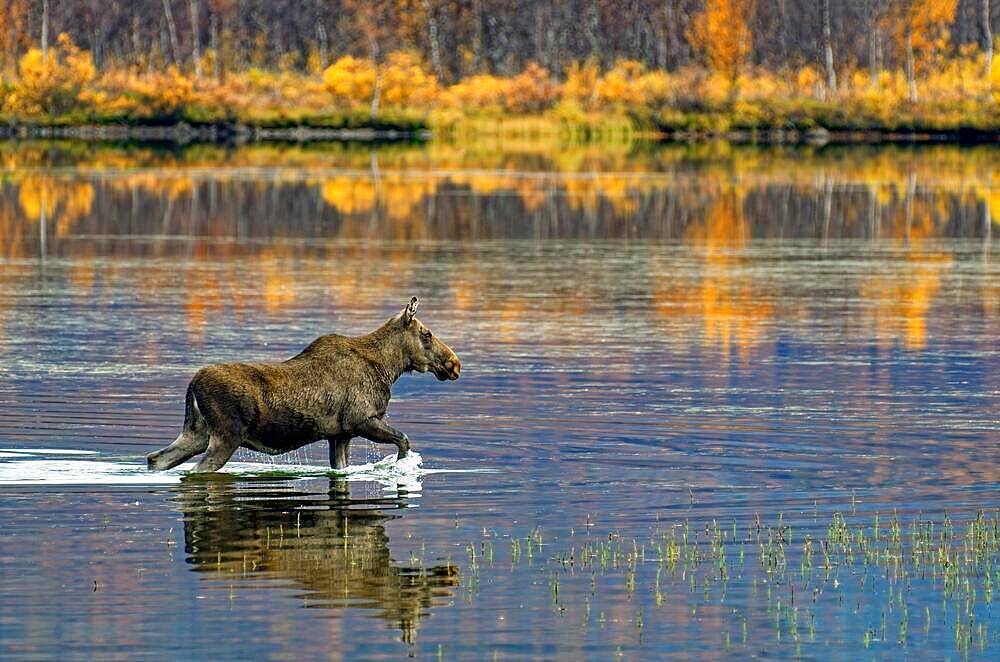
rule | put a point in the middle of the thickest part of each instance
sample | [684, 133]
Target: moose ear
[411, 309]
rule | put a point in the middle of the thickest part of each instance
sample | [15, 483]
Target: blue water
[698, 362]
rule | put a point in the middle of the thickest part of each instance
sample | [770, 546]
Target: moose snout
[454, 367]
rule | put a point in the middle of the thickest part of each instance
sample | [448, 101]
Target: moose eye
[426, 334]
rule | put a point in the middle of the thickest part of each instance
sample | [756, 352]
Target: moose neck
[385, 346]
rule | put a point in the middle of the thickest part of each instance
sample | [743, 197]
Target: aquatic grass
[804, 574]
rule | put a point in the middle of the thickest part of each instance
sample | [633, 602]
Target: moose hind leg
[339, 452]
[186, 446]
[220, 449]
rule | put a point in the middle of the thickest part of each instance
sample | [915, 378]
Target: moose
[336, 389]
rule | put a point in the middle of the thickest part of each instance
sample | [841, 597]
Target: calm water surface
[658, 344]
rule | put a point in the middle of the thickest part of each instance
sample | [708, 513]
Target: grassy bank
[827, 125]
[57, 93]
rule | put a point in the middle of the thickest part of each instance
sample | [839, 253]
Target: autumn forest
[695, 66]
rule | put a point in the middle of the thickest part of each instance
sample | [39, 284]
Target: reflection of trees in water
[453, 192]
[333, 547]
[227, 215]
[206, 205]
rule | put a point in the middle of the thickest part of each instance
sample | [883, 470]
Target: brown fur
[337, 388]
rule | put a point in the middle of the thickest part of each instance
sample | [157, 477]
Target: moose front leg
[339, 451]
[381, 432]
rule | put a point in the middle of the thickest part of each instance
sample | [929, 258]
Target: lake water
[687, 372]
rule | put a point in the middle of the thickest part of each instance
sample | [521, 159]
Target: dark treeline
[461, 37]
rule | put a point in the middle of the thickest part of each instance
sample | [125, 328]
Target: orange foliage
[925, 22]
[15, 24]
[722, 34]
[531, 91]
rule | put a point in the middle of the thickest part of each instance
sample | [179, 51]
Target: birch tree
[831, 73]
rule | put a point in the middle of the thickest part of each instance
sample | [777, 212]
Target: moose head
[423, 349]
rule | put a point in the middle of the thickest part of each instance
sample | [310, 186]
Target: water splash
[50, 467]
[308, 455]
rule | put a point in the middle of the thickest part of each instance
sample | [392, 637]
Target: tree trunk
[432, 35]
[164, 47]
[911, 74]
[831, 73]
[660, 41]
[97, 47]
[377, 92]
[538, 35]
[987, 44]
[136, 44]
[874, 66]
[593, 22]
[672, 58]
[45, 27]
[477, 36]
[213, 35]
[195, 40]
[323, 40]
[175, 47]
[783, 13]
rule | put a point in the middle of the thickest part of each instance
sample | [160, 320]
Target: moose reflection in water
[333, 546]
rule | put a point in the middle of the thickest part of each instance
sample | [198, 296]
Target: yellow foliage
[629, 84]
[482, 91]
[405, 83]
[860, 80]
[807, 80]
[51, 84]
[314, 62]
[952, 93]
[350, 79]
[581, 82]
[159, 93]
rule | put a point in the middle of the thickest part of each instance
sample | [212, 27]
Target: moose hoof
[404, 448]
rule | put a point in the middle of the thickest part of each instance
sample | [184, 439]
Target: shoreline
[820, 137]
[183, 133]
